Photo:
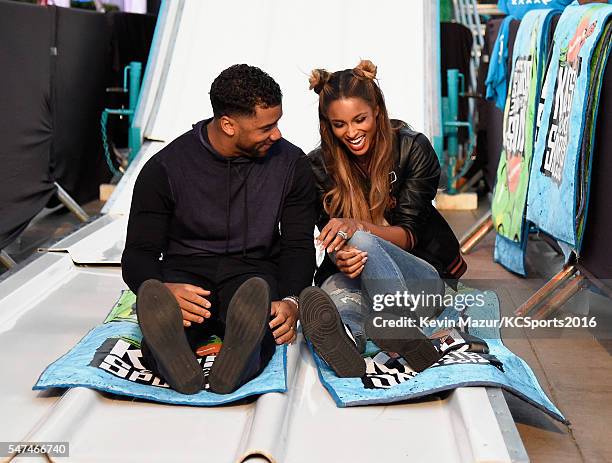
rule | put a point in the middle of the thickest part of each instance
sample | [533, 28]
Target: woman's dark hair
[240, 88]
[347, 198]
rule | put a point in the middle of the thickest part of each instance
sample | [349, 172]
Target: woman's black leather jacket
[414, 183]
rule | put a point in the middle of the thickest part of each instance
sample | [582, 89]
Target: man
[220, 238]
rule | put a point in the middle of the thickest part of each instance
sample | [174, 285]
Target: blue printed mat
[108, 358]
[387, 380]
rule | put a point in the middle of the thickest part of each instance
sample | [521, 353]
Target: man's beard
[254, 151]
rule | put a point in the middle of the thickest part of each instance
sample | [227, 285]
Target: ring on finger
[342, 234]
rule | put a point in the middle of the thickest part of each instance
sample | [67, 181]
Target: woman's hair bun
[318, 78]
[365, 69]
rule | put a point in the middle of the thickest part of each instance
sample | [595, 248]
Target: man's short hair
[240, 88]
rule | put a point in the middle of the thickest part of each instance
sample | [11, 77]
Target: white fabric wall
[287, 39]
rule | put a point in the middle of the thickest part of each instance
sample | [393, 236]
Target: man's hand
[329, 238]
[190, 300]
[351, 261]
[283, 323]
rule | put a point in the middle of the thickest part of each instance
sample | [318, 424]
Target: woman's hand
[330, 239]
[351, 261]
[283, 323]
[193, 305]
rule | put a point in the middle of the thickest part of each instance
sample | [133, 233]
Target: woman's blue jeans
[390, 281]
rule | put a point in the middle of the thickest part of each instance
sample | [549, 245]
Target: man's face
[256, 134]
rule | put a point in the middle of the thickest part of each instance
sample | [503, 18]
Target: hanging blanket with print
[519, 124]
[557, 202]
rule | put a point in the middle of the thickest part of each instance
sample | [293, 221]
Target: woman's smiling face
[353, 122]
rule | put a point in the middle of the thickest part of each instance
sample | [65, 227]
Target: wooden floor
[573, 366]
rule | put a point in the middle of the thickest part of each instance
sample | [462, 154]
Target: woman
[384, 240]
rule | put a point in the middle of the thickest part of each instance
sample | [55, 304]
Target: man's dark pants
[221, 275]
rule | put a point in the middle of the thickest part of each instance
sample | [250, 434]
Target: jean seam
[398, 274]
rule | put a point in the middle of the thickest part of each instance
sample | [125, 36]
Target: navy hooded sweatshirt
[191, 204]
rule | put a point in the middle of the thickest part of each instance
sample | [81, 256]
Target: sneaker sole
[323, 327]
[247, 318]
[415, 347]
[161, 323]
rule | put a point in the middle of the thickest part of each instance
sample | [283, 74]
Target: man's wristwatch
[294, 299]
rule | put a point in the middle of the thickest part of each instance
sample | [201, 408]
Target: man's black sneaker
[161, 323]
[323, 327]
[248, 315]
[409, 342]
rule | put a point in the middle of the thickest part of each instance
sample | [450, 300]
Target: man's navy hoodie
[190, 204]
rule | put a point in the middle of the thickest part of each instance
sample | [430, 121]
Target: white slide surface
[47, 306]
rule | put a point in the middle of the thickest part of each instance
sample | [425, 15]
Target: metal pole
[477, 234]
[472, 18]
[575, 285]
[545, 291]
[466, 13]
[135, 72]
[469, 17]
[479, 34]
[471, 182]
[596, 282]
[71, 204]
[6, 260]
[462, 18]
[474, 228]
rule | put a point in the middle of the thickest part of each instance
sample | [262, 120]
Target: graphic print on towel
[558, 124]
[385, 370]
[122, 357]
[517, 144]
[518, 136]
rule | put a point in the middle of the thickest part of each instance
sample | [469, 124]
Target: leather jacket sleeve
[419, 174]
[322, 184]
